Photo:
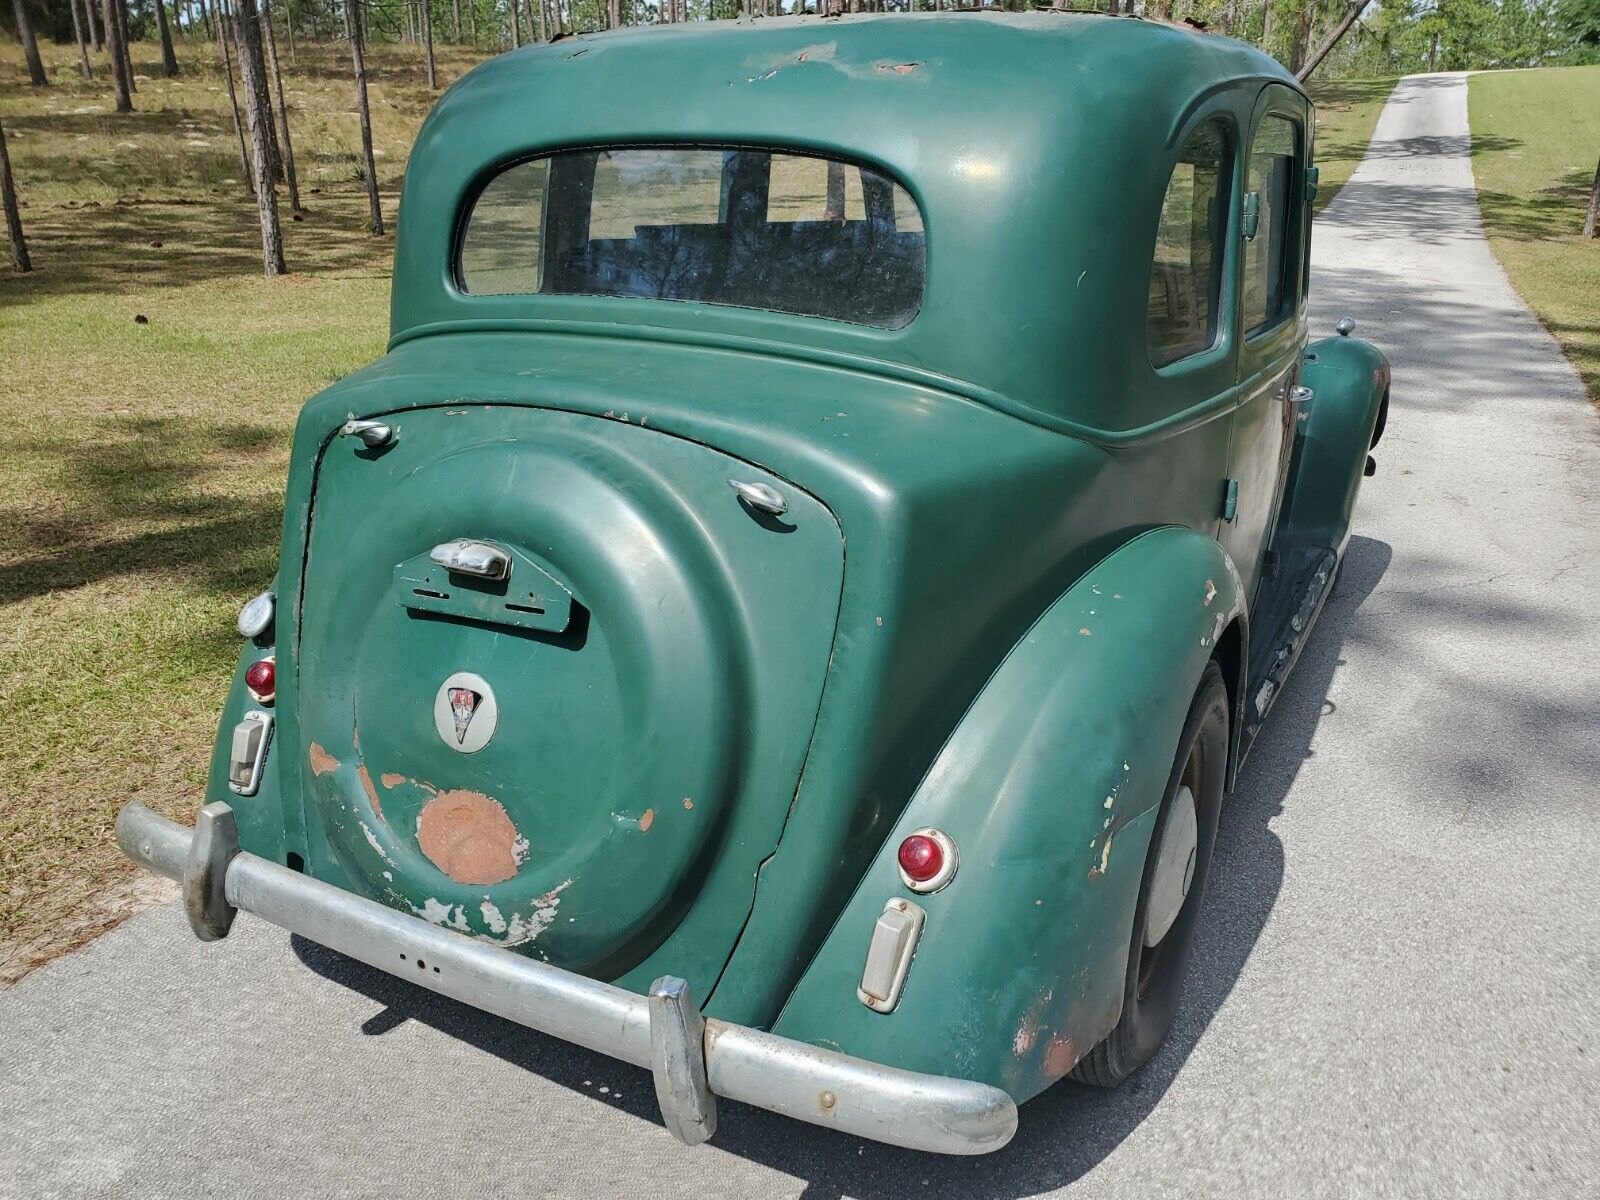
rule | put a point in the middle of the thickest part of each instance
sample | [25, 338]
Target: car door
[1271, 321]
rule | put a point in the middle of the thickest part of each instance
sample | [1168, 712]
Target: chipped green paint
[1002, 569]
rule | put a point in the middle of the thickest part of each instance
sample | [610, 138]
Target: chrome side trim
[824, 1087]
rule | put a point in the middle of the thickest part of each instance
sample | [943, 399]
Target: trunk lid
[588, 759]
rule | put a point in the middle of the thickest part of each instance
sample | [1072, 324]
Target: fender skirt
[1048, 787]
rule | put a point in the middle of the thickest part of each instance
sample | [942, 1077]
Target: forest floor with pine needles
[1535, 135]
[151, 381]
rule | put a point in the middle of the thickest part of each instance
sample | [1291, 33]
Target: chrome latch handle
[373, 434]
[467, 557]
[760, 497]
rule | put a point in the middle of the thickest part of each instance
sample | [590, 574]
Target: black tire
[1154, 982]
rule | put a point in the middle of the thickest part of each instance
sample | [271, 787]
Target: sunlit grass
[1535, 137]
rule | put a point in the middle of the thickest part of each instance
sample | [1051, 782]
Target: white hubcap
[1169, 886]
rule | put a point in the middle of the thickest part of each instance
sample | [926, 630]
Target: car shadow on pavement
[1069, 1129]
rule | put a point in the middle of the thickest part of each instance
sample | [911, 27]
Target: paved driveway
[1395, 994]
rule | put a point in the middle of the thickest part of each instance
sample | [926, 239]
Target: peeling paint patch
[1059, 1057]
[469, 837]
[491, 917]
[525, 928]
[372, 793]
[1211, 593]
[438, 913]
[391, 779]
[372, 840]
[1084, 632]
[904, 68]
[687, 804]
[647, 820]
[321, 761]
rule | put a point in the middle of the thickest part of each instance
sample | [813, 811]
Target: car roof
[1026, 138]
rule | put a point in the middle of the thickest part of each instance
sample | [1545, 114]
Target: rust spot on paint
[899, 68]
[1059, 1057]
[1084, 632]
[391, 779]
[687, 804]
[647, 820]
[321, 761]
[469, 837]
[372, 793]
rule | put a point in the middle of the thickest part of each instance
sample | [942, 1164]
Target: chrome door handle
[372, 433]
[467, 557]
[760, 497]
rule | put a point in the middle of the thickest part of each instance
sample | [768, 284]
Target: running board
[1289, 615]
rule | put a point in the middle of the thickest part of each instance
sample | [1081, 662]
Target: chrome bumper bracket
[678, 1061]
[205, 872]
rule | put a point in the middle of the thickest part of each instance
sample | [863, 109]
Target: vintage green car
[839, 501]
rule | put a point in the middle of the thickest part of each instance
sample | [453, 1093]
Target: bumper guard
[693, 1059]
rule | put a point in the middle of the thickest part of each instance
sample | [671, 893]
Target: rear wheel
[1172, 891]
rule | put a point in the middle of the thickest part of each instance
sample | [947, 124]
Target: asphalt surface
[1394, 993]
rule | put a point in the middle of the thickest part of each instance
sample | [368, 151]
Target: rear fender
[1049, 788]
[1350, 382]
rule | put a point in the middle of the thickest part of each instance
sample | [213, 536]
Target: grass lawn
[1535, 138]
[1347, 113]
[144, 460]
[140, 486]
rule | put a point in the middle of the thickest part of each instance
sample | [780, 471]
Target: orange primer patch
[391, 779]
[1059, 1057]
[647, 820]
[469, 837]
[321, 761]
[372, 793]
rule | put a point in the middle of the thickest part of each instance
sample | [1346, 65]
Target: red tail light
[261, 677]
[927, 860]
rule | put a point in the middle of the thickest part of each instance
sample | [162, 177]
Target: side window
[1270, 255]
[1186, 276]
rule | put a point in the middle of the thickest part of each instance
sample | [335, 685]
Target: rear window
[749, 228]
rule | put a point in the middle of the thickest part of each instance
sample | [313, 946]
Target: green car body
[1011, 544]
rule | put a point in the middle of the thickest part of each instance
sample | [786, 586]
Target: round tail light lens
[261, 677]
[927, 860]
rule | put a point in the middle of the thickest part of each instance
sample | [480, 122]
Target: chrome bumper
[694, 1060]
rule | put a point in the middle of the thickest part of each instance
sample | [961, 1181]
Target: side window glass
[1186, 275]
[1268, 256]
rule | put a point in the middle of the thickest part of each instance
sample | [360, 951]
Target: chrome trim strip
[824, 1087]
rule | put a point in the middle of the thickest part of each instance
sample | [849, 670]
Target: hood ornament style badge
[465, 712]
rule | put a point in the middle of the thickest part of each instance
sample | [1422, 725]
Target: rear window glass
[749, 228]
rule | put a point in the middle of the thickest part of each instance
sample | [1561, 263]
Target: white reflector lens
[255, 618]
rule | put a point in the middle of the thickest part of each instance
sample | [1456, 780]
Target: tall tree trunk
[96, 42]
[233, 97]
[614, 12]
[247, 41]
[120, 12]
[472, 15]
[256, 77]
[425, 19]
[8, 200]
[83, 50]
[1332, 40]
[511, 24]
[30, 48]
[288, 26]
[169, 60]
[283, 109]
[1593, 217]
[119, 61]
[455, 23]
[352, 28]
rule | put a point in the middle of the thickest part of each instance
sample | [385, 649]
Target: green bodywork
[1002, 571]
